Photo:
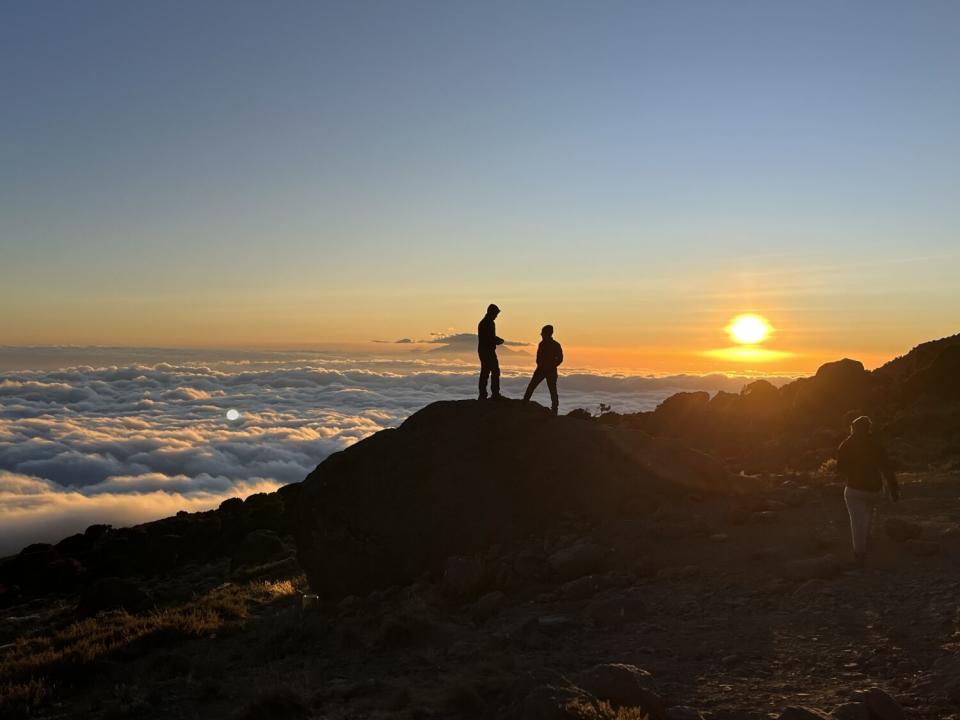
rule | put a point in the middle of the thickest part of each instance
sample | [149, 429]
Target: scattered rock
[112, 594]
[463, 576]
[814, 586]
[881, 704]
[577, 560]
[900, 530]
[851, 711]
[921, 548]
[683, 712]
[556, 623]
[774, 505]
[615, 607]
[678, 572]
[258, 548]
[803, 713]
[555, 702]
[581, 588]
[950, 533]
[824, 568]
[624, 685]
[489, 605]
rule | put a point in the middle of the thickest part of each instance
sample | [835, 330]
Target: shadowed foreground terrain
[489, 560]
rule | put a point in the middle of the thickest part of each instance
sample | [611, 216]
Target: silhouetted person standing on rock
[549, 358]
[487, 342]
[862, 460]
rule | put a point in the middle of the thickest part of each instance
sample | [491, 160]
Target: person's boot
[498, 396]
[483, 396]
[555, 410]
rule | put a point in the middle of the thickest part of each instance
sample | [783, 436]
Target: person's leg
[534, 381]
[484, 374]
[552, 386]
[495, 376]
[871, 512]
[859, 513]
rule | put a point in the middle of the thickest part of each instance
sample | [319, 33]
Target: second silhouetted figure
[549, 358]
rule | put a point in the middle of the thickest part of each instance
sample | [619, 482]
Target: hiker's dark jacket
[549, 355]
[487, 339]
[863, 462]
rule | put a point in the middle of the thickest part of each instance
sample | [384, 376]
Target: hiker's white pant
[860, 507]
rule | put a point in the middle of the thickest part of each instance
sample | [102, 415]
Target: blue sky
[296, 173]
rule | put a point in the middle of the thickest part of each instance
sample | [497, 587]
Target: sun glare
[749, 329]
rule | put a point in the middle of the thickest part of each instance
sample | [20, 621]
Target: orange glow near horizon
[749, 331]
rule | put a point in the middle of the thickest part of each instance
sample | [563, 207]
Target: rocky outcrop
[458, 477]
[914, 401]
[247, 532]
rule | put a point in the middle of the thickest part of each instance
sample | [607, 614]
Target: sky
[325, 174]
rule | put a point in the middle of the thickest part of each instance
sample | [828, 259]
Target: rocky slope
[459, 477]
[914, 400]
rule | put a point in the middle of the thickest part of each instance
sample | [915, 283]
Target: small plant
[829, 467]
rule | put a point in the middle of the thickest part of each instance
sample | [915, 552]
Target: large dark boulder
[457, 477]
[41, 567]
[112, 594]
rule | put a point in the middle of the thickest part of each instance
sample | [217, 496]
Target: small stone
[463, 576]
[581, 588]
[814, 586]
[623, 685]
[615, 607]
[489, 605]
[950, 533]
[851, 711]
[825, 568]
[797, 712]
[577, 560]
[882, 705]
[678, 572]
[112, 594]
[551, 702]
[921, 548]
[555, 624]
[900, 530]
[683, 712]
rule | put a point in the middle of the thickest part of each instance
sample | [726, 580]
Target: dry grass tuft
[31, 667]
[602, 710]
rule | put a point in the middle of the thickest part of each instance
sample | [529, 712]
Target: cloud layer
[126, 444]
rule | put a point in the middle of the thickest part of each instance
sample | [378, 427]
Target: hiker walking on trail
[487, 342]
[863, 462]
[549, 358]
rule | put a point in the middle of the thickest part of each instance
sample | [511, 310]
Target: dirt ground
[738, 610]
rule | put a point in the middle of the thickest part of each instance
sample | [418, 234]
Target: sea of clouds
[119, 436]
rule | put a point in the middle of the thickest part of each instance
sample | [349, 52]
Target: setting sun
[749, 329]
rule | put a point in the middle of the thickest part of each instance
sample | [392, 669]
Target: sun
[749, 329]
